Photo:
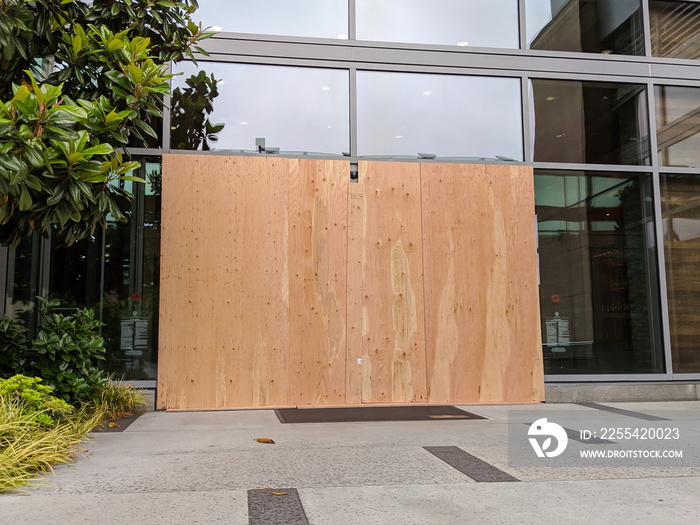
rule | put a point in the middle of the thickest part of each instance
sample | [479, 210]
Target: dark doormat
[370, 413]
[117, 425]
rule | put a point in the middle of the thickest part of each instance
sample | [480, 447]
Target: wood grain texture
[355, 315]
[394, 344]
[277, 275]
[482, 306]
[224, 282]
[317, 267]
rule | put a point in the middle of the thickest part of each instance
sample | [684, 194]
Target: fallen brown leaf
[265, 440]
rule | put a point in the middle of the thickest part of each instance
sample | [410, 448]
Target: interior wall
[284, 284]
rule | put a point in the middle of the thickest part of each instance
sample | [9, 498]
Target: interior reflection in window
[680, 204]
[449, 116]
[678, 125]
[598, 290]
[310, 18]
[675, 29]
[590, 26]
[464, 23]
[294, 109]
[590, 122]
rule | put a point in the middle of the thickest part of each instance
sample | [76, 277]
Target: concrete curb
[621, 392]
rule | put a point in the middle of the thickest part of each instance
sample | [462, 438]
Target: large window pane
[590, 122]
[310, 18]
[450, 116]
[472, 23]
[598, 291]
[680, 203]
[116, 273]
[23, 284]
[678, 125]
[675, 29]
[228, 106]
[590, 26]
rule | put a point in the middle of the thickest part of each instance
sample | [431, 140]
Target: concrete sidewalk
[198, 467]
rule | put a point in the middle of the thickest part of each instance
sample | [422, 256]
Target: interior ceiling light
[427, 92]
[220, 82]
[398, 136]
[244, 123]
[325, 88]
[462, 43]
[550, 98]
[216, 28]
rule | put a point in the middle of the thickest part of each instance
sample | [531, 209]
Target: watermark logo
[543, 428]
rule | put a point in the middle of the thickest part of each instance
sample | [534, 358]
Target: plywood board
[355, 323]
[394, 358]
[317, 268]
[224, 314]
[481, 301]
[284, 284]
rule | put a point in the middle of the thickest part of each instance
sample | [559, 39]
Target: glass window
[598, 290]
[310, 18]
[675, 29]
[589, 26]
[449, 116]
[590, 122]
[228, 106]
[116, 273]
[472, 23]
[680, 204]
[678, 125]
[23, 284]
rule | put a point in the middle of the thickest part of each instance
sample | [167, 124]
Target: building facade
[600, 98]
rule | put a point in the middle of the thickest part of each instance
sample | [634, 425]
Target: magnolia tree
[80, 80]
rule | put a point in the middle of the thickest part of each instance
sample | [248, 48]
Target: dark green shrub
[13, 346]
[34, 399]
[65, 351]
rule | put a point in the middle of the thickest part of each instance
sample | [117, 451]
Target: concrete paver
[197, 468]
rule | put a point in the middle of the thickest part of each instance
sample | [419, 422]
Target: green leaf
[143, 126]
[118, 78]
[34, 156]
[100, 149]
[135, 72]
[132, 178]
[38, 93]
[21, 94]
[74, 157]
[72, 110]
[25, 199]
[56, 196]
[77, 44]
[96, 178]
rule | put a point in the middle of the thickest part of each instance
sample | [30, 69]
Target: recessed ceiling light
[398, 136]
[244, 123]
[343, 36]
[550, 98]
[329, 127]
[427, 92]
[325, 88]
[216, 28]
[462, 43]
